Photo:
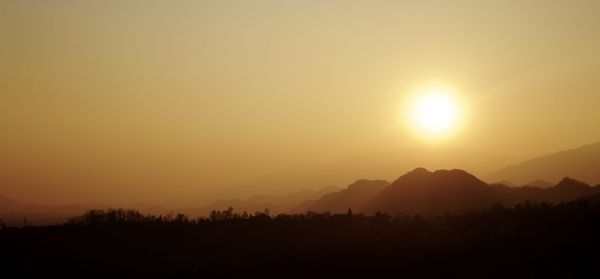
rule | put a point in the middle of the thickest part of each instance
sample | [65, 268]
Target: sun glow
[435, 112]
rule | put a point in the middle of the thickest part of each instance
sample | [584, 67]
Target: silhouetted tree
[181, 218]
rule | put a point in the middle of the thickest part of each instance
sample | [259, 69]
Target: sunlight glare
[435, 112]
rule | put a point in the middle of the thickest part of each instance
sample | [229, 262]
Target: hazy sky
[181, 102]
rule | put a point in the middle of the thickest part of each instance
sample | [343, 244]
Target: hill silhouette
[583, 163]
[521, 230]
[354, 196]
[378, 165]
[294, 202]
[568, 189]
[14, 212]
[6, 202]
[443, 191]
[417, 192]
[425, 192]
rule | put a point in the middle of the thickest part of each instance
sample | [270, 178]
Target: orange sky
[182, 102]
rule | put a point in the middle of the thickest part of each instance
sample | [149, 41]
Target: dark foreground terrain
[527, 241]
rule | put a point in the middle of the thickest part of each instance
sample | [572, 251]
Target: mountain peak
[423, 176]
[417, 173]
[361, 183]
[425, 192]
[419, 170]
[457, 172]
[571, 182]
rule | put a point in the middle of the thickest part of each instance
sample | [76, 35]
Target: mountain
[13, 212]
[290, 203]
[507, 183]
[568, 189]
[583, 163]
[6, 202]
[355, 196]
[443, 191]
[431, 193]
[383, 164]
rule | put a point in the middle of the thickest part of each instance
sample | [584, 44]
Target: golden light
[435, 112]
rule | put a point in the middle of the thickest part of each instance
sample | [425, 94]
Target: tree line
[528, 240]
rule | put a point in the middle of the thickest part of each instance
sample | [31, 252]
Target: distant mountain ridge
[6, 202]
[425, 192]
[582, 163]
[540, 183]
[294, 202]
[417, 192]
[354, 196]
[16, 213]
[448, 191]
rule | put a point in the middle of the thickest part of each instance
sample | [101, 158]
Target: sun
[435, 112]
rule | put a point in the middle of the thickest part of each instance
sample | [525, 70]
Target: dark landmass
[425, 224]
[290, 203]
[417, 192]
[443, 191]
[526, 241]
[354, 196]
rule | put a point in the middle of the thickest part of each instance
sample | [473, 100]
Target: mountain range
[16, 213]
[355, 196]
[295, 202]
[417, 192]
[444, 191]
[582, 163]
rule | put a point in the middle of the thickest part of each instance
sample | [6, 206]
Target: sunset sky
[184, 102]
